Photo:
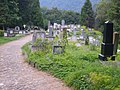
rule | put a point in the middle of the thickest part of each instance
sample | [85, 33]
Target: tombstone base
[58, 49]
[104, 58]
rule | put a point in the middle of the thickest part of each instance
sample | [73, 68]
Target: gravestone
[91, 39]
[50, 31]
[54, 33]
[63, 22]
[78, 26]
[82, 29]
[11, 31]
[75, 30]
[115, 42]
[58, 49]
[74, 38]
[97, 42]
[17, 28]
[65, 35]
[107, 44]
[40, 34]
[20, 32]
[87, 40]
[81, 37]
[33, 38]
[48, 24]
[5, 33]
[89, 29]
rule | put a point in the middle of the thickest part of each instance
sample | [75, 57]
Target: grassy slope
[78, 67]
[8, 39]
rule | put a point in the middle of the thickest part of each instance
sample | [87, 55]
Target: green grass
[79, 68]
[8, 39]
[119, 46]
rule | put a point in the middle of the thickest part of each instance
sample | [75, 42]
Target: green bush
[1, 33]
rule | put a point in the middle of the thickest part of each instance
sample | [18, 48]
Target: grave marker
[50, 31]
[57, 49]
[63, 23]
[107, 44]
[115, 42]
[17, 28]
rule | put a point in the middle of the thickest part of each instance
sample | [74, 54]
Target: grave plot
[38, 40]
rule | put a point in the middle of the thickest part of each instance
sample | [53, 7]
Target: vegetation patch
[1, 33]
[8, 39]
[78, 67]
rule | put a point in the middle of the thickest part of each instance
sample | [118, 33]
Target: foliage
[114, 14]
[108, 10]
[8, 39]
[101, 14]
[30, 12]
[87, 15]
[44, 45]
[119, 46]
[79, 68]
[19, 12]
[56, 16]
[25, 49]
[8, 13]
[1, 33]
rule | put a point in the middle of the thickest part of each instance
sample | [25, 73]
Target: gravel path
[15, 74]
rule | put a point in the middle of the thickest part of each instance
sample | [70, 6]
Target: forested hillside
[74, 5]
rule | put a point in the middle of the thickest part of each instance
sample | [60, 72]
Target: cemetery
[76, 59]
[66, 45]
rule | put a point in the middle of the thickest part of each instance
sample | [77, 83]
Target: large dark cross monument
[107, 44]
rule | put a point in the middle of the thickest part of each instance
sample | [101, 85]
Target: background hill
[74, 5]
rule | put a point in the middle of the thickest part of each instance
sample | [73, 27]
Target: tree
[25, 11]
[56, 16]
[30, 12]
[37, 18]
[13, 13]
[71, 17]
[114, 14]
[102, 14]
[8, 13]
[108, 10]
[87, 15]
[3, 13]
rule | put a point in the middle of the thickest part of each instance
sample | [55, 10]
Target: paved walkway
[15, 74]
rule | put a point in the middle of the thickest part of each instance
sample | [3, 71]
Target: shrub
[1, 33]
[44, 45]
